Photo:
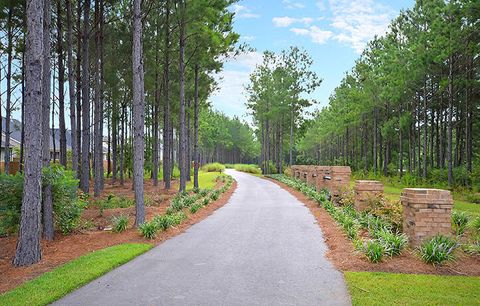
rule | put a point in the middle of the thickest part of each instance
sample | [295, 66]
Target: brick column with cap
[426, 213]
[340, 179]
[321, 171]
[365, 190]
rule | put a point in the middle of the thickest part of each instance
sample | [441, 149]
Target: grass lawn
[394, 193]
[55, 284]
[377, 288]
[206, 180]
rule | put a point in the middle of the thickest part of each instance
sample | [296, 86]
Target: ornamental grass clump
[119, 223]
[213, 167]
[373, 250]
[149, 230]
[438, 249]
[459, 222]
[392, 243]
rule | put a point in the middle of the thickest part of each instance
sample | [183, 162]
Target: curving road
[262, 248]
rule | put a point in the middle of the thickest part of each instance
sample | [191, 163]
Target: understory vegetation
[55, 284]
[68, 203]
[248, 168]
[377, 232]
[181, 204]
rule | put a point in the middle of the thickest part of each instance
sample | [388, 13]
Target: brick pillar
[365, 190]
[426, 213]
[340, 179]
[321, 171]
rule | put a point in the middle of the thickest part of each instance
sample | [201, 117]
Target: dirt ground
[344, 256]
[67, 248]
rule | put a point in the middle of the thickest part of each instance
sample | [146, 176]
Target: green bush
[113, 201]
[67, 207]
[213, 167]
[11, 187]
[149, 230]
[119, 223]
[195, 207]
[254, 169]
[475, 224]
[392, 243]
[459, 222]
[206, 201]
[438, 249]
[373, 250]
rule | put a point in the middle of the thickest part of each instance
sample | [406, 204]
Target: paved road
[262, 248]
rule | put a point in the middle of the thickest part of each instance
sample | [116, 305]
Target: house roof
[16, 135]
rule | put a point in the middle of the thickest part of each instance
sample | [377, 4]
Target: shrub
[149, 230]
[214, 196]
[373, 250]
[119, 223]
[254, 169]
[67, 206]
[459, 222]
[346, 197]
[393, 243]
[162, 222]
[195, 207]
[438, 249]
[206, 201]
[213, 167]
[387, 209]
[475, 225]
[11, 187]
[204, 192]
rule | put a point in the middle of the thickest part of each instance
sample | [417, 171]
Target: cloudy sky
[334, 32]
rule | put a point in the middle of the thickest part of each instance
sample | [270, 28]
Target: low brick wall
[311, 176]
[426, 213]
[365, 190]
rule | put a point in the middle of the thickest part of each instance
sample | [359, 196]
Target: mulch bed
[67, 248]
[345, 258]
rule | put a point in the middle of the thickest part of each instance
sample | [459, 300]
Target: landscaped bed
[346, 257]
[370, 285]
[96, 229]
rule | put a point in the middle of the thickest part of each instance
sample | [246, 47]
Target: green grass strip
[57, 283]
[378, 288]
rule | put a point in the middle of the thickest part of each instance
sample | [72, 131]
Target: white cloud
[230, 96]
[316, 34]
[321, 5]
[358, 21]
[248, 37]
[289, 4]
[242, 11]
[283, 22]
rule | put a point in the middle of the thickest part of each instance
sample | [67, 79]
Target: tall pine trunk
[167, 129]
[196, 161]
[138, 114]
[28, 249]
[97, 136]
[71, 87]
[61, 82]
[48, 229]
[8, 108]
[85, 177]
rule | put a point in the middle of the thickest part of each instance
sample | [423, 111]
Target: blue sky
[334, 33]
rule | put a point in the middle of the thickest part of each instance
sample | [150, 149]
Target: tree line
[410, 103]
[136, 76]
[277, 104]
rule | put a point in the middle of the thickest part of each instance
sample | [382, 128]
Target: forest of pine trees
[133, 77]
[410, 106]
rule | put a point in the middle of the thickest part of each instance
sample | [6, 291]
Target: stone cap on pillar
[426, 196]
[366, 185]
